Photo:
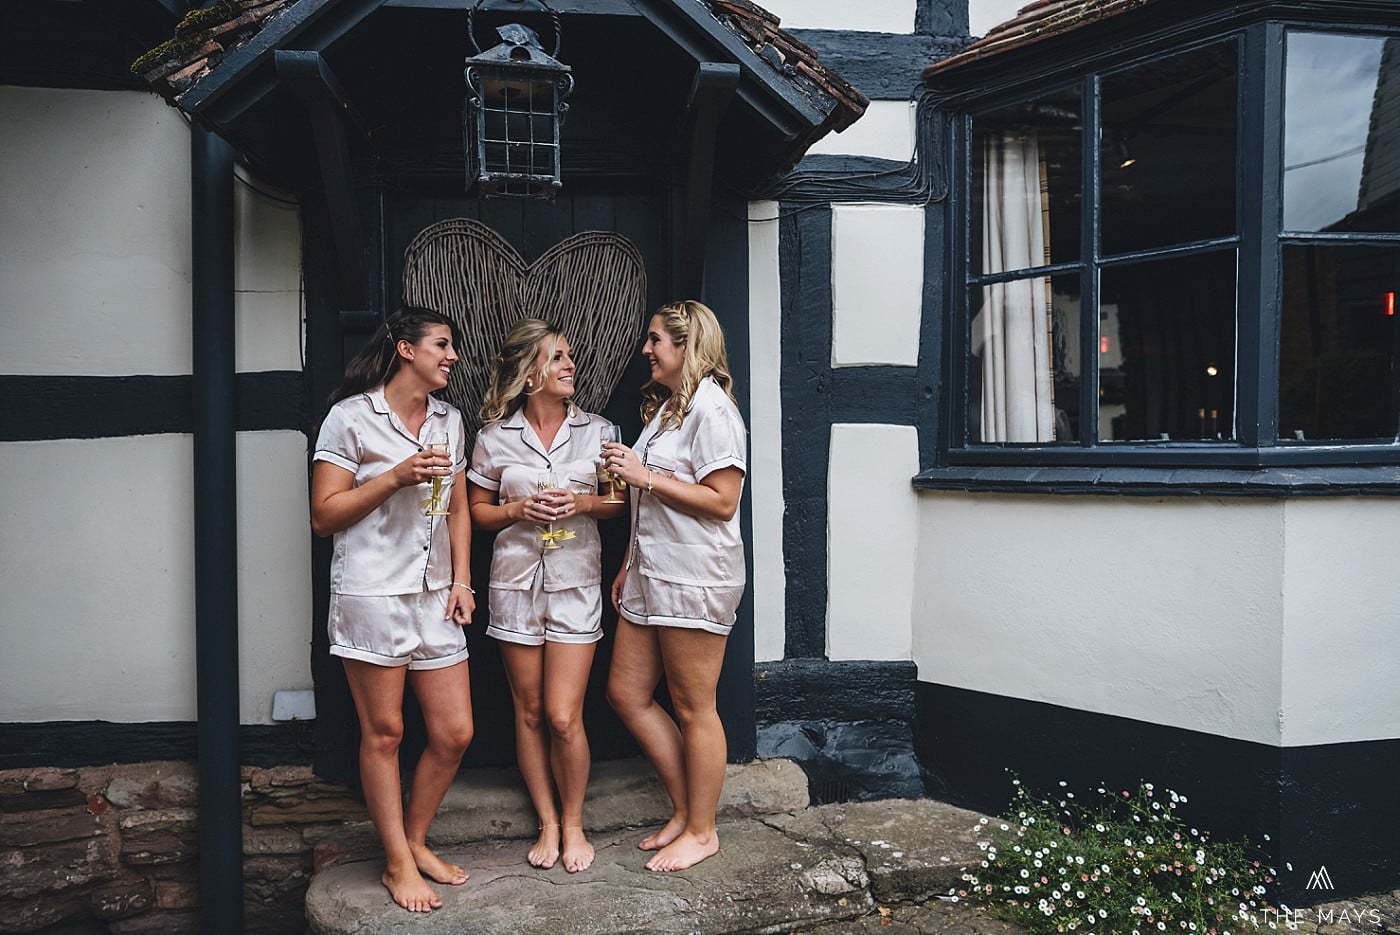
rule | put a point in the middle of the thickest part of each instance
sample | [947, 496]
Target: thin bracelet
[651, 480]
[458, 584]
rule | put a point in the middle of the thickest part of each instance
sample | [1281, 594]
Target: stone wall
[114, 848]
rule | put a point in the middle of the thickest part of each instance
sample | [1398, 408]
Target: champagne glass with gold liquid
[433, 506]
[545, 481]
[612, 433]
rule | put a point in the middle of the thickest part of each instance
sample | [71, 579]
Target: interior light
[1390, 304]
[1212, 370]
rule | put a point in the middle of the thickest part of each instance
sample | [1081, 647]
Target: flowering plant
[1125, 864]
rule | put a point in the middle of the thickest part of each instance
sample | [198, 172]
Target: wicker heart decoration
[592, 284]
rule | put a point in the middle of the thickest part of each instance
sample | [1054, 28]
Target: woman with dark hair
[546, 603]
[400, 578]
[678, 590]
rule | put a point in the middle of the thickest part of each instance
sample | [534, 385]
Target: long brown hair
[379, 359]
[515, 364]
[692, 324]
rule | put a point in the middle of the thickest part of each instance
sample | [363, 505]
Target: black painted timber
[98, 743]
[1149, 481]
[51, 407]
[215, 534]
[883, 66]
[710, 95]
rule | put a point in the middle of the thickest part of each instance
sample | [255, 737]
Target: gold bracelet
[651, 480]
[458, 584]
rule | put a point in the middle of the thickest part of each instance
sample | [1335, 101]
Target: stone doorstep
[491, 804]
[828, 866]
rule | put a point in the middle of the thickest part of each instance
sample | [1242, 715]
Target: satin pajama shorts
[396, 629]
[535, 616]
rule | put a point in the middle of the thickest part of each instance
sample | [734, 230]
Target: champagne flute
[612, 433]
[433, 506]
[545, 481]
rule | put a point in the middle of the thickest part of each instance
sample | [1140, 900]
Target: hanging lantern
[517, 95]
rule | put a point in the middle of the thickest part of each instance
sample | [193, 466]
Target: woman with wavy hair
[546, 602]
[400, 580]
[680, 586]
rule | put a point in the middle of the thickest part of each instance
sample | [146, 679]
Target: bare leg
[692, 660]
[525, 672]
[632, 681]
[445, 695]
[566, 680]
[378, 694]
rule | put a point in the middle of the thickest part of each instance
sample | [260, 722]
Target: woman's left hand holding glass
[623, 461]
[563, 501]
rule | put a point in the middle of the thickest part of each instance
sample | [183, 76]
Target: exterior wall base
[115, 848]
[848, 724]
[1329, 805]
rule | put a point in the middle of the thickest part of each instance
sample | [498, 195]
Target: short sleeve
[338, 443]
[719, 441]
[484, 472]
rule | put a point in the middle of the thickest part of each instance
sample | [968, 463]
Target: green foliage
[196, 21]
[1123, 864]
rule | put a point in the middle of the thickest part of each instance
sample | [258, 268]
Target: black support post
[215, 537]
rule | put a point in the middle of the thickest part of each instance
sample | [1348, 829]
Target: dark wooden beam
[563, 7]
[309, 77]
[710, 96]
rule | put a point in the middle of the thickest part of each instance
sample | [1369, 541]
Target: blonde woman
[546, 604]
[679, 588]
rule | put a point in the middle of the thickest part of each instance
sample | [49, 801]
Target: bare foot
[578, 853]
[668, 833]
[435, 868]
[687, 850]
[546, 849]
[408, 888]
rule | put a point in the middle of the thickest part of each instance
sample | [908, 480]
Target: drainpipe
[215, 537]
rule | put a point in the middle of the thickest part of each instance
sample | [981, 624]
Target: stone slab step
[830, 866]
[489, 804]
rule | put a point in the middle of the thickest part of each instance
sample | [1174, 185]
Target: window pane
[1342, 134]
[1025, 366]
[1168, 151]
[1340, 343]
[1026, 184]
[1167, 349]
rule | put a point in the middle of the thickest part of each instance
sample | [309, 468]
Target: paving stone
[933, 918]
[755, 883]
[486, 804]
[914, 849]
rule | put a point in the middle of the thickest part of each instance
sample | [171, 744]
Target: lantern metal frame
[517, 96]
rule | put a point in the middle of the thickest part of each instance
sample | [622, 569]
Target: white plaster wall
[886, 131]
[98, 577]
[984, 14]
[877, 284]
[267, 279]
[869, 15]
[766, 433]
[1341, 634]
[94, 244]
[872, 538]
[1168, 611]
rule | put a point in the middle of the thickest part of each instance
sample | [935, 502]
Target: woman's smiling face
[665, 356]
[560, 368]
[433, 357]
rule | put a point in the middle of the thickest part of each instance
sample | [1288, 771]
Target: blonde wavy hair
[692, 324]
[516, 363]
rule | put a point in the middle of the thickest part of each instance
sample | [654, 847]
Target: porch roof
[216, 47]
[1034, 23]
